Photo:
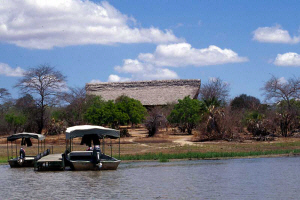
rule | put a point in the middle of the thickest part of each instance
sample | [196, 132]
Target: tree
[133, 108]
[105, 113]
[154, 120]
[15, 121]
[77, 102]
[282, 93]
[27, 106]
[245, 102]
[44, 83]
[215, 89]
[95, 113]
[4, 93]
[187, 113]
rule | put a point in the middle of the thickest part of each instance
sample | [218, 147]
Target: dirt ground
[164, 142]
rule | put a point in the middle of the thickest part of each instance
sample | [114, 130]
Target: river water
[259, 178]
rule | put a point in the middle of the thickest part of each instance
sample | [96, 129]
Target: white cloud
[213, 79]
[116, 78]
[141, 71]
[6, 70]
[152, 66]
[95, 81]
[182, 54]
[282, 80]
[274, 34]
[288, 59]
[41, 24]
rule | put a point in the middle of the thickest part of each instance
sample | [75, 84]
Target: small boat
[91, 159]
[25, 160]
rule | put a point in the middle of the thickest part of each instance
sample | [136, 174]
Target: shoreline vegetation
[208, 155]
[161, 157]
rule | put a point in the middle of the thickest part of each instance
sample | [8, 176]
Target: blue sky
[242, 42]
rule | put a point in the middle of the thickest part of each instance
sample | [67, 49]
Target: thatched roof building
[150, 93]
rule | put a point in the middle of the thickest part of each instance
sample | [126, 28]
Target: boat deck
[50, 162]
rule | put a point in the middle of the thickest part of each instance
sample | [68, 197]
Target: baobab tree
[44, 83]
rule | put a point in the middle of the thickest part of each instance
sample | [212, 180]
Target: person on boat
[90, 149]
[96, 154]
[22, 153]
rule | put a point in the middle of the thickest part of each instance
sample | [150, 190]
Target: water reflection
[263, 178]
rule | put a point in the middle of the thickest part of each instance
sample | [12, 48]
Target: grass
[3, 160]
[208, 155]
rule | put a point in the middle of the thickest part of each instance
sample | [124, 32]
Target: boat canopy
[25, 135]
[80, 131]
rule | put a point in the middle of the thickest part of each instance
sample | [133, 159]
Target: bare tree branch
[44, 83]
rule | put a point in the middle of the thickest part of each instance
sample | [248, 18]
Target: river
[258, 178]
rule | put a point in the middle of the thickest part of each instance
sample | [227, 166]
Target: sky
[244, 43]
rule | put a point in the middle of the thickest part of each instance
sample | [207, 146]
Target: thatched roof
[148, 92]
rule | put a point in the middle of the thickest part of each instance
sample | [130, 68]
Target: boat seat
[80, 155]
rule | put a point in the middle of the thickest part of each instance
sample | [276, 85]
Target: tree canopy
[187, 113]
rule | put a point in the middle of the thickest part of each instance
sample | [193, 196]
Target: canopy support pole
[12, 151]
[7, 150]
[38, 147]
[110, 148]
[119, 147]
[16, 148]
[103, 145]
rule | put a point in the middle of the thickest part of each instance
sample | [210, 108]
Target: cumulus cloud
[141, 71]
[6, 70]
[95, 81]
[288, 59]
[152, 66]
[274, 34]
[40, 24]
[116, 78]
[282, 80]
[182, 54]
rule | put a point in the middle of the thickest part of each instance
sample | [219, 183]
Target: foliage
[56, 127]
[187, 113]
[105, 113]
[77, 104]
[245, 102]
[26, 105]
[255, 123]
[124, 132]
[132, 108]
[15, 121]
[95, 113]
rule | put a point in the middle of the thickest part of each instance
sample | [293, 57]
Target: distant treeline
[48, 106]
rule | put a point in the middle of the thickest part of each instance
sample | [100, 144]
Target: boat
[90, 159]
[25, 160]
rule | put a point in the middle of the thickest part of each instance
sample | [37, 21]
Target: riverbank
[168, 146]
[162, 157]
